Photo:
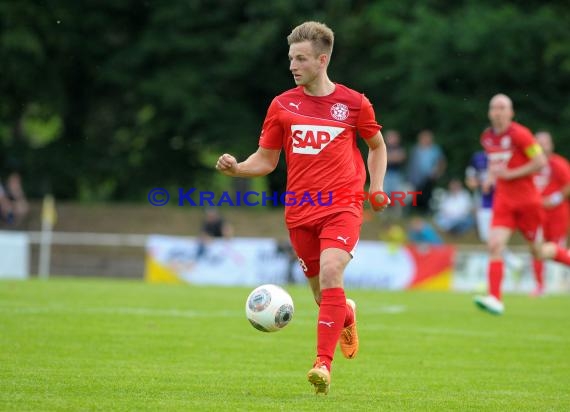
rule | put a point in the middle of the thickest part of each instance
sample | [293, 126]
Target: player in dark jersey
[316, 124]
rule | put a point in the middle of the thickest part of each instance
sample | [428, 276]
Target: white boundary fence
[91, 239]
[71, 253]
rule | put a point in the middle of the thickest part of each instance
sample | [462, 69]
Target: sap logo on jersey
[504, 156]
[311, 139]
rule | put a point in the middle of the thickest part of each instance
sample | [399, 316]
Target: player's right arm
[260, 163]
[536, 158]
[535, 163]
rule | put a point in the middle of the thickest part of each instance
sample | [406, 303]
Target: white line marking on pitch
[135, 311]
[390, 309]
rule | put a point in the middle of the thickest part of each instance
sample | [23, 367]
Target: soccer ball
[269, 308]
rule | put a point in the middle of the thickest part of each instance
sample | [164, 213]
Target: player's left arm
[377, 161]
[537, 160]
[369, 129]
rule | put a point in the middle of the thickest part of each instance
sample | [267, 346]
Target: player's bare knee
[331, 273]
[495, 248]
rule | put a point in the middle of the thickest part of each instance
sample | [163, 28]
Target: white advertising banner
[14, 255]
[378, 265]
[239, 261]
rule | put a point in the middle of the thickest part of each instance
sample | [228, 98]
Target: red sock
[538, 272]
[495, 275]
[349, 318]
[332, 314]
[562, 256]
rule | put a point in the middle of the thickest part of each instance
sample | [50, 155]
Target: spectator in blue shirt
[426, 165]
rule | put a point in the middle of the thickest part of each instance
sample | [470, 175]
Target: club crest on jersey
[339, 111]
[311, 139]
[506, 142]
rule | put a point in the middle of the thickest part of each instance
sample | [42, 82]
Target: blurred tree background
[104, 100]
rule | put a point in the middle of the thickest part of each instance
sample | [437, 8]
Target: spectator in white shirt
[455, 211]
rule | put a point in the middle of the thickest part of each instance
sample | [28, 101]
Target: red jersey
[513, 148]
[553, 178]
[318, 135]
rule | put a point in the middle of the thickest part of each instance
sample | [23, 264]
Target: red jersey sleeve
[366, 124]
[525, 141]
[271, 136]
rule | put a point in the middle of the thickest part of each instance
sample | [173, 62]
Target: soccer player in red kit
[514, 158]
[553, 183]
[316, 125]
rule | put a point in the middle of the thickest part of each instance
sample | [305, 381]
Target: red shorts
[556, 227]
[338, 230]
[527, 218]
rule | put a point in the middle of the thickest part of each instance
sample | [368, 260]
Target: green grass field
[84, 344]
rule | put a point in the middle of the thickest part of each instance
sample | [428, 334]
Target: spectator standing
[394, 179]
[426, 165]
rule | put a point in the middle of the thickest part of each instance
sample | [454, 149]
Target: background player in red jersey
[553, 183]
[316, 125]
[514, 156]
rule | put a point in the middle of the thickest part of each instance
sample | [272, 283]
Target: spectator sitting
[214, 226]
[394, 235]
[455, 214]
[421, 232]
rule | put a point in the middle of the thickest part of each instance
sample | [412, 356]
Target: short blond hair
[319, 34]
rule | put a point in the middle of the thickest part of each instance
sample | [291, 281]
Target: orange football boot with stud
[320, 377]
[349, 336]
